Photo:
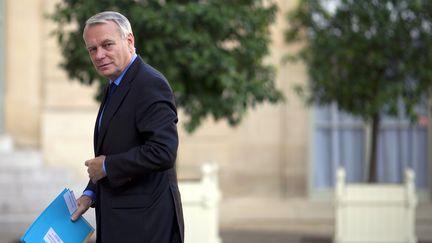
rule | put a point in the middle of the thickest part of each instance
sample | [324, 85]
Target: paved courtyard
[245, 236]
[229, 236]
[277, 221]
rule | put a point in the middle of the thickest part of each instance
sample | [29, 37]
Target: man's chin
[105, 73]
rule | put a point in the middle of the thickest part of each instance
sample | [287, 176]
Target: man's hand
[95, 168]
[83, 203]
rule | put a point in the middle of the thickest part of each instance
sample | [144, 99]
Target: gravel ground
[240, 236]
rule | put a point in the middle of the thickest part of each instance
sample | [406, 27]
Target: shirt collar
[119, 79]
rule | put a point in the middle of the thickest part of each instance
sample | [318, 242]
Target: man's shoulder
[147, 75]
[147, 70]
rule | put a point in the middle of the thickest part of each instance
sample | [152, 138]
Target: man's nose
[100, 53]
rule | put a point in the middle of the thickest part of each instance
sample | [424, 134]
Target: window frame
[326, 194]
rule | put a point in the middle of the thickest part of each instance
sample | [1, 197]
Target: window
[340, 139]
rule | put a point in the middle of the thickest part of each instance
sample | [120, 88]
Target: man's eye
[91, 50]
[108, 45]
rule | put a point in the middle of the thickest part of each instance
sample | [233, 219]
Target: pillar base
[6, 143]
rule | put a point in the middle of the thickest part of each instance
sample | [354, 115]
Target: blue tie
[111, 91]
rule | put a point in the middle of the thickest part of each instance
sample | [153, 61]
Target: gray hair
[103, 17]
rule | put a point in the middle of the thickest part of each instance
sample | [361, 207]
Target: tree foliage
[211, 51]
[367, 56]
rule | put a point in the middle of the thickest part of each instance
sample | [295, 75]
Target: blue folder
[54, 225]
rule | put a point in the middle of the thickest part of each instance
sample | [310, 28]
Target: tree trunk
[372, 178]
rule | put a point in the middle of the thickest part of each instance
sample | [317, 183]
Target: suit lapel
[114, 104]
[110, 111]
[96, 126]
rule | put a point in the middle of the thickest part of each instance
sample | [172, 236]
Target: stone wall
[23, 88]
[263, 157]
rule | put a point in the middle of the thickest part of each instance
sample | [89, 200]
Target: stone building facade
[268, 155]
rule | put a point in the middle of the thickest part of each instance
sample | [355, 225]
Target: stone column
[5, 141]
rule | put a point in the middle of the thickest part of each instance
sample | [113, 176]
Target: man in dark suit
[133, 182]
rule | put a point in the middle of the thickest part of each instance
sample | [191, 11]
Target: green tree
[366, 56]
[211, 51]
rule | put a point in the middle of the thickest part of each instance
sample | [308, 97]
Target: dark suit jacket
[139, 198]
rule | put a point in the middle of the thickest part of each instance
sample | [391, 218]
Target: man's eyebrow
[107, 40]
[103, 42]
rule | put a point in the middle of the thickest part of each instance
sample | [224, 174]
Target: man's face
[109, 52]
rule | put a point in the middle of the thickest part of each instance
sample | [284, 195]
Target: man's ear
[131, 42]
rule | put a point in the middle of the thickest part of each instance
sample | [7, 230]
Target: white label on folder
[70, 201]
[52, 237]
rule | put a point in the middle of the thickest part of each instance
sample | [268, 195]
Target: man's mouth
[103, 65]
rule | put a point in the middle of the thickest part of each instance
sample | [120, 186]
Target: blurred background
[276, 166]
